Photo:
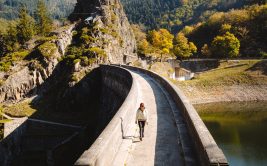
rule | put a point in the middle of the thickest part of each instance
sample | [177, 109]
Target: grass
[20, 109]
[227, 74]
[2, 121]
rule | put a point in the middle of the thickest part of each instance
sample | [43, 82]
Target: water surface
[240, 130]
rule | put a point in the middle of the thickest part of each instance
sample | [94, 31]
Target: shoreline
[233, 101]
[234, 93]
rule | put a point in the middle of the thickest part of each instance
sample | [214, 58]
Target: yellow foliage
[162, 39]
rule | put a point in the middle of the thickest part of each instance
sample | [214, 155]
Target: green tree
[226, 45]
[10, 41]
[182, 47]
[44, 22]
[161, 40]
[2, 45]
[25, 27]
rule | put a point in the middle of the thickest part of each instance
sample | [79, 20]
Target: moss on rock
[47, 49]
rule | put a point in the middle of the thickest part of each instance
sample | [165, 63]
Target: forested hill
[59, 9]
[175, 14]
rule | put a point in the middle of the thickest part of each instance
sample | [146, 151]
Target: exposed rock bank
[226, 94]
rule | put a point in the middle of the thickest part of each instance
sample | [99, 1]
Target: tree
[26, 26]
[205, 50]
[11, 42]
[2, 45]
[226, 46]
[44, 22]
[225, 28]
[143, 46]
[161, 40]
[183, 48]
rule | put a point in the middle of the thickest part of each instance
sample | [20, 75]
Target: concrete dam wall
[35, 142]
[112, 95]
[110, 142]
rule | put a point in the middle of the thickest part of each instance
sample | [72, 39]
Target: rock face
[112, 33]
[27, 77]
[116, 35]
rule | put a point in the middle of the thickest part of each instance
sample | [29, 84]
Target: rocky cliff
[27, 75]
[107, 29]
[114, 33]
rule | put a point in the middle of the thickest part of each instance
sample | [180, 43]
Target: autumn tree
[143, 46]
[182, 47]
[225, 28]
[161, 40]
[226, 45]
[26, 26]
[44, 22]
[205, 50]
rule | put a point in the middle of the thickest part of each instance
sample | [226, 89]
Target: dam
[175, 134]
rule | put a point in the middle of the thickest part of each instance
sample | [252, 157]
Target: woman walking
[141, 119]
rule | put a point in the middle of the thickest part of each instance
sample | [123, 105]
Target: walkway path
[160, 145]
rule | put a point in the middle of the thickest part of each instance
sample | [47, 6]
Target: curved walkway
[162, 142]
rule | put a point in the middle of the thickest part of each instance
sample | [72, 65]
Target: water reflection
[240, 129]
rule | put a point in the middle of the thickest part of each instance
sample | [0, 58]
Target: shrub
[7, 61]
[5, 66]
[76, 61]
[47, 49]
[263, 54]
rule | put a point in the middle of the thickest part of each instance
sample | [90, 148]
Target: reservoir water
[240, 130]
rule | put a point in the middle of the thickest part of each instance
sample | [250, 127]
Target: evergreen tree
[2, 45]
[44, 22]
[26, 26]
[9, 40]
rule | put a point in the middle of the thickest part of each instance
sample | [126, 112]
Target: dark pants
[141, 125]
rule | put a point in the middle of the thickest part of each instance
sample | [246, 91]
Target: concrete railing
[104, 149]
[207, 150]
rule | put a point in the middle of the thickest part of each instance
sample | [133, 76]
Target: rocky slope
[226, 93]
[113, 31]
[220, 81]
[27, 75]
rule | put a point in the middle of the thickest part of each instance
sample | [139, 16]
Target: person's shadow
[133, 137]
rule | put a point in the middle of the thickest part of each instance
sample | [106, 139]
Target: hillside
[243, 80]
[175, 14]
[58, 9]
[54, 65]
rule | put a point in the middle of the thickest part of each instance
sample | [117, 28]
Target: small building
[182, 74]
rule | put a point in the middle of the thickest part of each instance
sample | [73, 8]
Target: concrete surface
[160, 146]
[175, 134]
[199, 147]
